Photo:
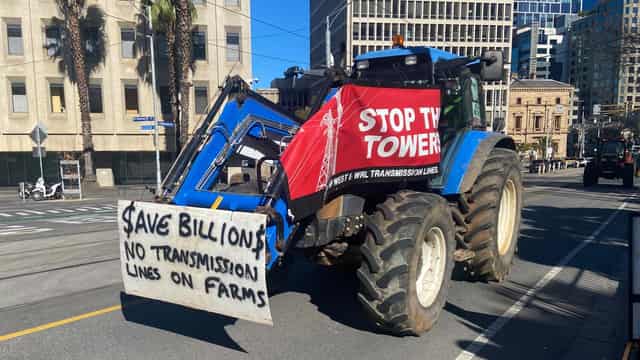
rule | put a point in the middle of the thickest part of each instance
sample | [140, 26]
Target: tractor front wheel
[590, 176]
[628, 175]
[492, 214]
[408, 260]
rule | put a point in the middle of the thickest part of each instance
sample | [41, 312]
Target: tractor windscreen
[397, 71]
[613, 148]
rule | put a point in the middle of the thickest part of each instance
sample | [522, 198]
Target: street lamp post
[327, 34]
[156, 135]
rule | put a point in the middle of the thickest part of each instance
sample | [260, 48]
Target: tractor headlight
[410, 60]
[362, 65]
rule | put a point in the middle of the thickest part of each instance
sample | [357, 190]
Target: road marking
[474, 348]
[53, 211]
[92, 208]
[34, 212]
[22, 214]
[82, 209]
[5, 215]
[58, 323]
[22, 230]
[66, 210]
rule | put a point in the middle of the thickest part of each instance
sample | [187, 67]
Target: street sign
[39, 151]
[143, 118]
[559, 108]
[596, 109]
[166, 124]
[39, 133]
[147, 127]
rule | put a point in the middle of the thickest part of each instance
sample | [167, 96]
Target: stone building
[35, 90]
[539, 109]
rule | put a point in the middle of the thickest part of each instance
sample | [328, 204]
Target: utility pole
[327, 42]
[548, 131]
[156, 135]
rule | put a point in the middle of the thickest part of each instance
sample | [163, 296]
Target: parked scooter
[42, 192]
[25, 192]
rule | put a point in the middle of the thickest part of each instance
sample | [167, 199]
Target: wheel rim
[507, 217]
[432, 266]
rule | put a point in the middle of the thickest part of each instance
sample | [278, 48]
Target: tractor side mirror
[492, 65]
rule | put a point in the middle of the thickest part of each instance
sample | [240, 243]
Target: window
[538, 122]
[199, 45]
[92, 42]
[52, 40]
[165, 100]
[557, 101]
[202, 99]
[519, 101]
[131, 98]
[14, 38]
[19, 97]
[128, 43]
[234, 3]
[56, 93]
[95, 98]
[556, 122]
[539, 101]
[233, 46]
[518, 122]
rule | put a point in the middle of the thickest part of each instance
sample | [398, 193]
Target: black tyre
[37, 195]
[492, 212]
[590, 175]
[408, 260]
[628, 175]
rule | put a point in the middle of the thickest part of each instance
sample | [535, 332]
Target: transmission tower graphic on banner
[332, 127]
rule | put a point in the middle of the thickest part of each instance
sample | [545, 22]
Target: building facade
[543, 12]
[34, 89]
[461, 27]
[541, 109]
[605, 57]
[542, 52]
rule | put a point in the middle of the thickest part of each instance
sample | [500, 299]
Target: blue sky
[275, 50]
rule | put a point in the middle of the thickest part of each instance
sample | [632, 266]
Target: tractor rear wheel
[408, 260]
[492, 215]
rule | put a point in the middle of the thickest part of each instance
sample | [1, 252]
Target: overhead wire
[291, 32]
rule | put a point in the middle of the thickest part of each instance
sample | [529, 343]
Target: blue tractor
[401, 227]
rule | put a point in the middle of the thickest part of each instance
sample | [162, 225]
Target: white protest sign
[206, 259]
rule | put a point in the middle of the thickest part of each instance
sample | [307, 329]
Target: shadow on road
[178, 319]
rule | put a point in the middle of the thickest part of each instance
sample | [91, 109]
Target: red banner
[365, 134]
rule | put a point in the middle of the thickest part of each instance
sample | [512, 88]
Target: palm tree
[163, 15]
[185, 14]
[82, 50]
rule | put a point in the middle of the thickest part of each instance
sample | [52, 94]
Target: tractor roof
[435, 54]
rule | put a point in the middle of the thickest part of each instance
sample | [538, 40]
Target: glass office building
[543, 12]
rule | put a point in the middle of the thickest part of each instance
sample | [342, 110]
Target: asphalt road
[60, 293]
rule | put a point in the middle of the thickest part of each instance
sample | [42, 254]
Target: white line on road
[66, 210]
[474, 348]
[53, 211]
[5, 215]
[82, 209]
[34, 212]
[22, 214]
